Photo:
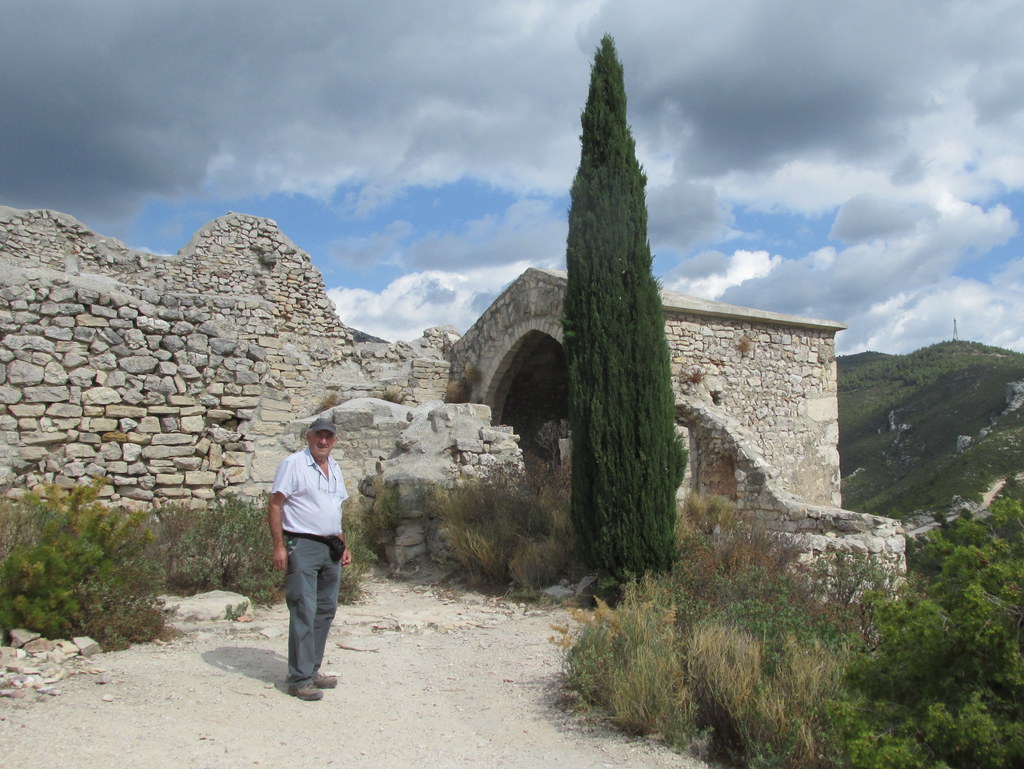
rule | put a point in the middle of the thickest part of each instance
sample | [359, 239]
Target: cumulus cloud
[681, 215]
[416, 301]
[866, 216]
[711, 274]
[454, 274]
[528, 232]
[899, 125]
[854, 284]
[242, 98]
[382, 247]
[906, 321]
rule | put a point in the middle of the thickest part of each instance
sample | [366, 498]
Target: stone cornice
[682, 303]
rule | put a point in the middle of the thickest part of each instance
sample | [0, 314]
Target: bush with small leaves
[86, 574]
[944, 686]
[225, 547]
[512, 527]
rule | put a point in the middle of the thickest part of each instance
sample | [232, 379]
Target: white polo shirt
[312, 502]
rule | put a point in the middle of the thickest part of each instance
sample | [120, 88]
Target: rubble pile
[31, 663]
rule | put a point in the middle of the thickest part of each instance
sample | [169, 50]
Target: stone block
[46, 394]
[135, 492]
[239, 402]
[27, 410]
[19, 636]
[100, 396]
[200, 478]
[121, 411]
[235, 458]
[149, 424]
[86, 646]
[192, 424]
[39, 645]
[40, 438]
[64, 410]
[21, 373]
[9, 395]
[173, 492]
[164, 452]
[172, 439]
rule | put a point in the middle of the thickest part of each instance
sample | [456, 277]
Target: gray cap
[323, 423]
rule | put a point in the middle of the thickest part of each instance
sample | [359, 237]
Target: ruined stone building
[179, 377]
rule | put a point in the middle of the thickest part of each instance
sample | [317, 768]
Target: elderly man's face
[320, 444]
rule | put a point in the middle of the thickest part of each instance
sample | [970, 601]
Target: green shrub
[850, 586]
[512, 527]
[945, 685]
[86, 574]
[377, 522]
[21, 523]
[733, 649]
[225, 547]
[357, 531]
[629, 662]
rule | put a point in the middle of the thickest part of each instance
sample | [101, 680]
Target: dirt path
[428, 678]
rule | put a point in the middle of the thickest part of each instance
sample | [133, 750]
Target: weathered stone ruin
[180, 377]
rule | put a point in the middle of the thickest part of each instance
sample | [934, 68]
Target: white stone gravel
[428, 678]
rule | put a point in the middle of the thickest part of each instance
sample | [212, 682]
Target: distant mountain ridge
[919, 431]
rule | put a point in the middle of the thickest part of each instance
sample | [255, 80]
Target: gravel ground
[428, 677]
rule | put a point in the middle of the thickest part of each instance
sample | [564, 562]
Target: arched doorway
[533, 394]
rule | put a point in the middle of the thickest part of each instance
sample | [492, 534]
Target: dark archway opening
[711, 466]
[536, 402]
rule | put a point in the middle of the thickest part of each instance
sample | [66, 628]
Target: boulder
[214, 605]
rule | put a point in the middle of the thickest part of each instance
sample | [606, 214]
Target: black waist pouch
[335, 544]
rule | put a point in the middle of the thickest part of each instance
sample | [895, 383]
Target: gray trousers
[311, 591]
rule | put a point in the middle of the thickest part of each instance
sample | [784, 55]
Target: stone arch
[529, 389]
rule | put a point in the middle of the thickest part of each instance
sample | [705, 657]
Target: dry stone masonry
[179, 377]
[174, 377]
[755, 396]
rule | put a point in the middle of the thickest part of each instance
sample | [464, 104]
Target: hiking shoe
[306, 692]
[325, 682]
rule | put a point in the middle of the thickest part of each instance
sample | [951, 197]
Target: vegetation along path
[429, 677]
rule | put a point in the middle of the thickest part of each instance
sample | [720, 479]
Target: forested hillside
[901, 422]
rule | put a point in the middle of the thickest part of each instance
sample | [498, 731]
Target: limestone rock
[20, 636]
[86, 646]
[214, 605]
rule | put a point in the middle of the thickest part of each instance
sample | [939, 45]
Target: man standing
[304, 514]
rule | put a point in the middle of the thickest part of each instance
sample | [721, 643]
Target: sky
[860, 162]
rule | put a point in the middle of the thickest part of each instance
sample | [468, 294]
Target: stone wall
[756, 396]
[439, 445]
[175, 377]
[777, 382]
[178, 377]
[729, 463]
[774, 374]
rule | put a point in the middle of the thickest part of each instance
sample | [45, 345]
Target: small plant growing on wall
[472, 374]
[329, 401]
[392, 394]
[696, 376]
[456, 392]
[745, 345]
[461, 390]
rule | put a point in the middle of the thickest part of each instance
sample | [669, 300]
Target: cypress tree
[627, 461]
